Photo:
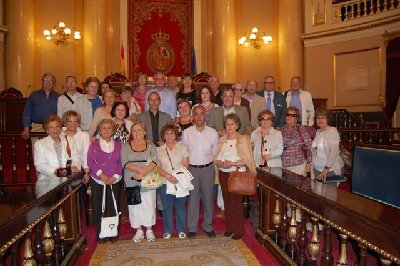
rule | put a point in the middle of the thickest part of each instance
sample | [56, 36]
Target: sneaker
[150, 236]
[167, 236]
[138, 236]
[182, 235]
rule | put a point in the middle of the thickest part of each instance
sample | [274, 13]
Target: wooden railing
[372, 226]
[42, 229]
[371, 136]
[341, 118]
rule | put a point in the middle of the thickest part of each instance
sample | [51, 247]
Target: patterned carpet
[175, 252]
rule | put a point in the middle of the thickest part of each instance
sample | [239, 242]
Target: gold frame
[318, 18]
[335, 90]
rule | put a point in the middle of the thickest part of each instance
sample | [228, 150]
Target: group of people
[118, 140]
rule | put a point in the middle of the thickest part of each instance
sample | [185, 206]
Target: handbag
[133, 195]
[153, 179]
[109, 225]
[242, 183]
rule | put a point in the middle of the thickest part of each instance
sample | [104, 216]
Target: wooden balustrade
[372, 225]
[370, 136]
[44, 229]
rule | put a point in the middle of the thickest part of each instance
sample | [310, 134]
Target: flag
[122, 60]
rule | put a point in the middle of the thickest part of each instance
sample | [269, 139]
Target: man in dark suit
[216, 120]
[274, 100]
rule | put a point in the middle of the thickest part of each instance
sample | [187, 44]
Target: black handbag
[133, 195]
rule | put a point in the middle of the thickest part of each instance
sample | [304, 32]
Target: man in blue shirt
[39, 105]
[168, 99]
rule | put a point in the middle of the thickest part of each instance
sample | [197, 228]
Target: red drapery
[160, 36]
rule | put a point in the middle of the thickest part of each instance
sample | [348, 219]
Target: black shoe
[211, 234]
[160, 213]
[101, 241]
[191, 235]
[113, 239]
[236, 237]
[228, 234]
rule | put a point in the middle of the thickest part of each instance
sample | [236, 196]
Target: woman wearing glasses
[296, 155]
[268, 143]
[239, 90]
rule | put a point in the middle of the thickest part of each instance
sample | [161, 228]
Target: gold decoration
[160, 55]
[62, 225]
[293, 224]
[276, 217]
[313, 248]
[342, 255]
[28, 254]
[48, 242]
[385, 261]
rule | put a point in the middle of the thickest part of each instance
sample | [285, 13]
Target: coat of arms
[160, 55]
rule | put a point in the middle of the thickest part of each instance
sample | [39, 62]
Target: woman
[104, 161]
[86, 106]
[185, 120]
[51, 157]
[103, 111]
[139, 157]
[119, 113]
[268, 143]
[326, 158]
[76, 139]
[187, 90]
[133, 105]
[233, 153]
[141, 89]
[296, 155]
[104, 86]
[171, 156]
[238, 89]
[207, 101]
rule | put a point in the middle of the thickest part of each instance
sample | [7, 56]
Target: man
[154, 119]
[40, 104]
[302, 100]
[213, 82]
[168, 99]
[257, 102]
[274, 101]
[216, 120]
[201, 142]
[67, 101]
[172, 84]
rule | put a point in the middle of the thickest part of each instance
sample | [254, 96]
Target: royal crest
[160, 55]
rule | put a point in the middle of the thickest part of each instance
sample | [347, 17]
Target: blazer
[216, 119]
[243, 147]
[280, 107]
[145, 118]
[257, 105]
[245, 103]
[274, 145]
[307, 107]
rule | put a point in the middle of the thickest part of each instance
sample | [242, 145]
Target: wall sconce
[256, 38]
[60, 34]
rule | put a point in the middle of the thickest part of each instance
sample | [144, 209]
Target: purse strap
[169, 158]
[103, 206]
[305, 152]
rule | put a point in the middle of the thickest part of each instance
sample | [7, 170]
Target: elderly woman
[239, 90]
[104, 161]
[187, 90]
[171, 156]
[233, 154]
[103, 111]
[185, 119]
[119, 113]
[207, 101]
[133, 105]
[139, 157]
[51, 156]
[326, 158]
[76, 139]
[268, 143]
[296, 155]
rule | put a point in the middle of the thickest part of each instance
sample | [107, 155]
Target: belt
[201, 166]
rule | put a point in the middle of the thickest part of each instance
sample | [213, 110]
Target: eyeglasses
[269, 82]
[292, 115]
[266, 119]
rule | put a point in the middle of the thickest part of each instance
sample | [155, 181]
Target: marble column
[20, 45]
[94, 38]
[224, 35]
[290, 44]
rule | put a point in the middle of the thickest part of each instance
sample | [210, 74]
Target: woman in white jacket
[267, 141]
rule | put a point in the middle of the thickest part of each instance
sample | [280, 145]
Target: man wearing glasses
[39, 105]
[274, 101]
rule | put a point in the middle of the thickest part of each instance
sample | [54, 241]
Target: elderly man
[67, 101]
[302, 100]
[201, 142]
[39, 105]
[216, 120]
[274, 101]
[172, 83]
[213, 82]
[257, 102]
[168, 99]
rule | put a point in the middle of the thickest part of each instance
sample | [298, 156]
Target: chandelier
[256, 38]
[60, 34]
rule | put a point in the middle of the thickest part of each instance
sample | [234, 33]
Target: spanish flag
[122, 60]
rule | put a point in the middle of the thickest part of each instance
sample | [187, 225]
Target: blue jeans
[168, 202]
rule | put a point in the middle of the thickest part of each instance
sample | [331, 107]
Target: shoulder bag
[242, 183]
[109, 225]
[133, 195]
[152, 180]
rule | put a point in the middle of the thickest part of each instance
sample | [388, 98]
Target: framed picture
[357, 77]
[318, 11]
